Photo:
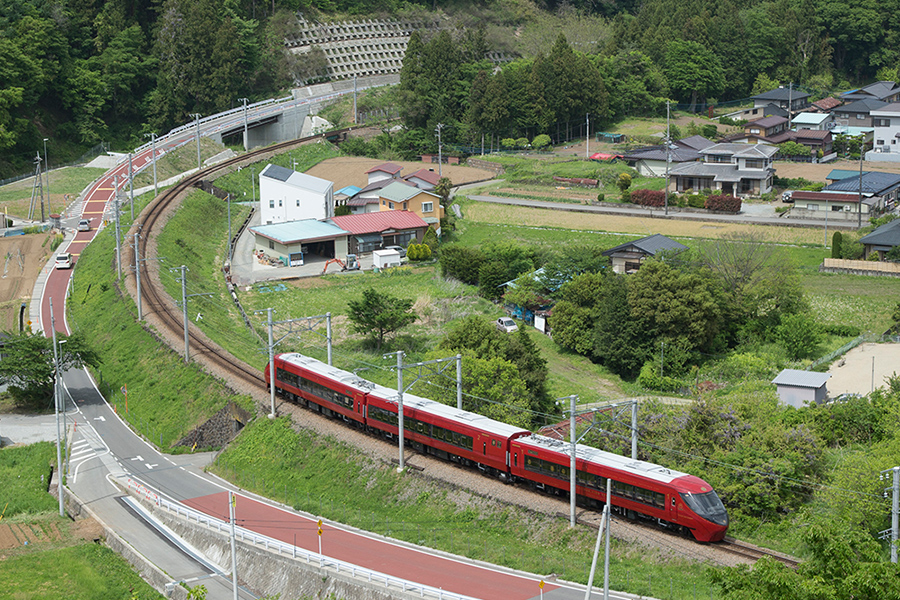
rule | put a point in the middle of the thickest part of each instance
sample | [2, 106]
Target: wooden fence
[861, 267]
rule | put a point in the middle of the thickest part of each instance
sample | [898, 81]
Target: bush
[836, 240]
[601, 197]
[623, 182]
[541, 141]
[852, 249]
[460, 262]
[723, 203]
[342, 210]
[417, 252]
[626, 196]
[650, 379]
[696, 200]
[841, 330]
[648, 197]
[709, 131]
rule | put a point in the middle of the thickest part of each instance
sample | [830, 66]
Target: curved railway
[159, 303]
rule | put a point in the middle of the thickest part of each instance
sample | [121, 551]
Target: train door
[359, 403]
[673, 508]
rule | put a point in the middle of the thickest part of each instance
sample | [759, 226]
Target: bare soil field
[820, 171]
[21, 259]
[351, 170]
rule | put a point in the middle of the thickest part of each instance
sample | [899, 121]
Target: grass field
[25, 472]
[15, 198]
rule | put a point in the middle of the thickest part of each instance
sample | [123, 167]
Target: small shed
[627, 257]
[796, 388]
[383, 259]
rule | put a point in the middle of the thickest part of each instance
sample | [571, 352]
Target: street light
[59, 463]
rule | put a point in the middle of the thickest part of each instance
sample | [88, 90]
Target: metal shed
[796, 388]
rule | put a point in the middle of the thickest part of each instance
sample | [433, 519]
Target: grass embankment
[166, 397]
[41, 554]
[178, 161]
[325, 477]
[15, 198]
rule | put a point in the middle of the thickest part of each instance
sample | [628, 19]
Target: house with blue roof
[294, 240]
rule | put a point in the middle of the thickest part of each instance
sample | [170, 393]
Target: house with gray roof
[841, 198]
[627, 257]
[882, 240]
[797, 388]
[788, 98]
[739, 170]
[650, 161]
[368, 199]
[858, 112]
[886, 91]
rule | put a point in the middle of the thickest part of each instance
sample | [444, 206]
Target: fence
[866, 337]
[861, 267]
[85, 158]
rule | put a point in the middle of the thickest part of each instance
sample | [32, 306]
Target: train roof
[638, 468]
[409, 400]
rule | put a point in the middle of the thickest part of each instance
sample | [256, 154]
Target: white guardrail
[284, 549]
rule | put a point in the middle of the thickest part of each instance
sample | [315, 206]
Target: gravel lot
[864, 369]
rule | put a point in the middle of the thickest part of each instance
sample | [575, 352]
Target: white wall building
[887, 130]
[286, 195]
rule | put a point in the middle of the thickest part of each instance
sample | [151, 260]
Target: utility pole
[587, 135]
[47, 172]
[246, 126]
[152, 137]
[234, 577]
[604, 525]
[400, 426]
[271, 324]
[355, 120]
[197, 121]
[59, 475]
[131, 185]
[859, 206]
[228, 200]
[137, 275]
[440, 156]
[572, 450]
[790, 103]
[667, 159]
[893, 533]
[184, 297]
[118, 231]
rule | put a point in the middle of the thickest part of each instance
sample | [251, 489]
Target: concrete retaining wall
[281, 574]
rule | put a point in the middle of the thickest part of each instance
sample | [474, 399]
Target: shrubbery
[650, 379]
[723, 203]
[648, 197]
[417, 252]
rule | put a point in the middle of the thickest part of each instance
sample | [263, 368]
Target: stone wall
[219, 429]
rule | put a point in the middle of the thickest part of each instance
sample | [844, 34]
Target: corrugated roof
[350, 190]
[825, 196]
[297, 231]
[781, 93]
[389, 168]
[399, 191]
[827, 103]
[807, 379]
[379, 221]
[838, 174]
[807, 118]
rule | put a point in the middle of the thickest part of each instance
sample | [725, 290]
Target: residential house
[402, 196]
[740, 170]
[797, 388]
[651, 161]
[384, 171]
[758, 112]
[767, 126]
[368, 199]
[424, 179]
[878, 192]
[371, 231]
[886, 121]
[825, 105]
[811, 120]
[814, 139]
[857, 113]
[286, 195]
[627, 257]
[345, 193]
[882, 240]
[787, 98]
[886, 91]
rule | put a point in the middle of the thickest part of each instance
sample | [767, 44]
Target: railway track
[157, 302]
[160, 304]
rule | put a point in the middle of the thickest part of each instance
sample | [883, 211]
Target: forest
[84, 71]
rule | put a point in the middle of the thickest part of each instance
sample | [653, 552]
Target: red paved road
[391, 559]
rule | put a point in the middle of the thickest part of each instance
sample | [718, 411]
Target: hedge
[723, 203]
[648, 197]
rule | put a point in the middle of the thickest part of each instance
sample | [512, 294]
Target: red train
[639, 489]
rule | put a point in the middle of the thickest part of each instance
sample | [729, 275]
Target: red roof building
[370, 231]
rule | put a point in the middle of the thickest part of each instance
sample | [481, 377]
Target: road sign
[541, 584]
[319, 523]
[320, 531]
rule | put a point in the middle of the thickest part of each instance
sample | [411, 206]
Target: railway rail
[159, 303]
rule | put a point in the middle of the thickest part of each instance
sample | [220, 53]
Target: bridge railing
[283, 549]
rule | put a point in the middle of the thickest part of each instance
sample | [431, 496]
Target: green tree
[28, 366]
[836, 240]
[378, 314]
[623, 182]
[442, 189]
[540, 142]
[799, 335]
[693, 70]
[793, 149]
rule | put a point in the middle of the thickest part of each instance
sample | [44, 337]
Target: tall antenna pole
[667, 157]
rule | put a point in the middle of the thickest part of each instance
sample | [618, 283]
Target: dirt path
[21, 259]
[863, 369]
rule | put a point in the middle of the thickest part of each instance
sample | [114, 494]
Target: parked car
[786, 196]
[84, 225]
[64, 261]
[399, 249]
[506, 325]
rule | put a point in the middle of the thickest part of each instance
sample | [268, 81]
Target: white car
[84, 225]
[63, 261]
[399, 249]
[506, 325]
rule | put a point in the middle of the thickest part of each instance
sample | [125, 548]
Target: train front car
[700, 509]
[639, 489]
[323, 388]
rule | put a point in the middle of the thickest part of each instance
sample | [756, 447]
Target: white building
[286, 195]
[887, 132]
[817, 121]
